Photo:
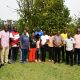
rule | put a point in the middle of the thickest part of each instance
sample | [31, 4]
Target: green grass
[39, 71]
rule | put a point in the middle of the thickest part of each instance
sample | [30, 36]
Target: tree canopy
[44, 14]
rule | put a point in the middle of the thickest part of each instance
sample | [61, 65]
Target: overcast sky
[7, 8]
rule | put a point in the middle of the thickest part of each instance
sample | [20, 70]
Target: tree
[1, 23]
[45, 14]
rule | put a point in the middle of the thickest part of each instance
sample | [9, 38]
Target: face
[27, 29]
[58, 33]
[33, 34]
[24, 32]
[44, 32]
[69, 35]
[5, 28]
[78, 31]
[65, 31]
[15, 28]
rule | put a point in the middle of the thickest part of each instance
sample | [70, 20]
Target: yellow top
[64, 36]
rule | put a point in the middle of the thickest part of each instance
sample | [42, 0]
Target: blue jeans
[24, 55]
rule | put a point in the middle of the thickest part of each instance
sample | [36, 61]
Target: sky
[7, 9]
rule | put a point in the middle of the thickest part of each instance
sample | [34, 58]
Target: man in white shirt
[69, 45]
[44, 40]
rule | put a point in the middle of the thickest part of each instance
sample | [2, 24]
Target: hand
[1, 47]
[29, 49]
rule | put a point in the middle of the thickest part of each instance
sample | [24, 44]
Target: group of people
[33, 48]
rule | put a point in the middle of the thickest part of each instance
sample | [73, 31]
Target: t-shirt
[57, 40]
[25, 42]
[64, 36]
[14, 38]
[4, 36]
[27, 34]
[44, 39]
[77, 40]
[32, 42]
[50, 43]
[69, 44]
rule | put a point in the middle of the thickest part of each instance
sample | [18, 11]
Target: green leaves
[51, 14]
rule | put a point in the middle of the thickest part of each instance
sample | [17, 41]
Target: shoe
[49, 60]
[2, 65]
[9, 62]
[39, 60]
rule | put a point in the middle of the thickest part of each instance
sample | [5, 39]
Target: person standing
[14, 37]
[64, 36]
[24, 44]
[77, 48]
[4, 37]
[38, 48]
[58, 41]
[32, 48]
[69, 46]
[51, 47]
[44, 41]
[27, 34]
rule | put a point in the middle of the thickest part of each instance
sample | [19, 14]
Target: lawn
[39, 71]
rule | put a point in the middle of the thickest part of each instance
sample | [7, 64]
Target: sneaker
[39, 60]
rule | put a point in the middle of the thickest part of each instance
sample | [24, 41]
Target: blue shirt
[24, 42]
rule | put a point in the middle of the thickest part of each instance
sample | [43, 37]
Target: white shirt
[44, 39]
[69, 44]
[27, 34]
[14, 37]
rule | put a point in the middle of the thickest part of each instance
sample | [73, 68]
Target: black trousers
[43, 52]
[14, 53]
[51, 53]
[69, 57]
[77, 56]
[57, 54]
[63, 53]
